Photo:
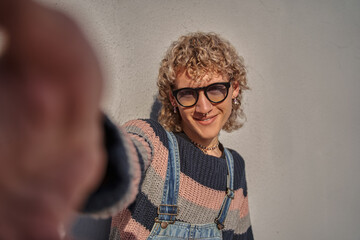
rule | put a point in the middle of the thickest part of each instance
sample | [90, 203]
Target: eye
[216, 92]
[186, 93]
[186, 97]
[217, 89]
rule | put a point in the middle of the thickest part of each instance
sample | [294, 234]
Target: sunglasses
[215, 93]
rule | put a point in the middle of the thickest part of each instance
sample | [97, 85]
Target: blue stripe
[209, 171]
[143, 211]
[159, 131]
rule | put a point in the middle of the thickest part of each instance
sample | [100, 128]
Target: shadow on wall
[155, 108]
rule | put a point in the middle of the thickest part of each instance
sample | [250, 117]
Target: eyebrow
[199, 88]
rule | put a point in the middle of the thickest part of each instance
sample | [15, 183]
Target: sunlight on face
[203, 121]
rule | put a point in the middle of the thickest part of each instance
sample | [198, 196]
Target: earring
[235, 101]
[174, 109]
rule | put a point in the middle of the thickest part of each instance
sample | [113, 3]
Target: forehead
[183, 80]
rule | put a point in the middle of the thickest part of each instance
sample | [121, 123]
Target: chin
[208, 132]
[203, 131]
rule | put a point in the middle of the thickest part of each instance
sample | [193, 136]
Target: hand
[51, 151]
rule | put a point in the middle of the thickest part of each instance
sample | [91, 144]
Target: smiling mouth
[206, 120]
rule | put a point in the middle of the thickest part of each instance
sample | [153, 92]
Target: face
[201, 128]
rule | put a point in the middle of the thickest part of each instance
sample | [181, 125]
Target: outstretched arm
[51, 147]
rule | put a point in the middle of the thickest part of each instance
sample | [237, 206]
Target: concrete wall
[301, 142]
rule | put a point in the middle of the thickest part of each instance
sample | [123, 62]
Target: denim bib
[166, 226]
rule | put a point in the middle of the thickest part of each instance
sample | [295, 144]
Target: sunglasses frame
[226, 84]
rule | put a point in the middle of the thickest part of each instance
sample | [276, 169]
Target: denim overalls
[165, 226]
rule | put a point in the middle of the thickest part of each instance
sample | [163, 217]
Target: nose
[203, 104]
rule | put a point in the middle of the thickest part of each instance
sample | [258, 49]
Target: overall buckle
[165, 223]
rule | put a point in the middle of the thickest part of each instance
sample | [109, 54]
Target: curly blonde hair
[200, 54]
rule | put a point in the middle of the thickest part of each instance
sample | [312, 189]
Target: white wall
[301, 142]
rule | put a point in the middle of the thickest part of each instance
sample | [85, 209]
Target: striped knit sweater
[201, 192]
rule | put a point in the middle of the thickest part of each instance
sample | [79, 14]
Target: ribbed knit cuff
[120, 184]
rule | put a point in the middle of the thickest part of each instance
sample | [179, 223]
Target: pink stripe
[207, 197]
[128, 227]
[144, 126]
[159, 162]
[238, 200]
[244, 211]
[160, 152]
[146, 145]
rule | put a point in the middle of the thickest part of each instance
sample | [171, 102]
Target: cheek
[185, 113]
[227, 107]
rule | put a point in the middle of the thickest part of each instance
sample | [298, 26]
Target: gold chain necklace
[205, 149]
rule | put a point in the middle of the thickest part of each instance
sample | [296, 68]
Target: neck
[208, 146]
[207, 143]
[216, 153]
[213, 150]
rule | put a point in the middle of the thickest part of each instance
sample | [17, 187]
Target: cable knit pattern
[202, 186]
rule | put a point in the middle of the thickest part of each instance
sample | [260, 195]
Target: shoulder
[238, 159]
[147, 129]
[143, 125]
[239, 171]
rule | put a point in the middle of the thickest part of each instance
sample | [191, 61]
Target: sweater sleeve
[120, 184]
[130, 150]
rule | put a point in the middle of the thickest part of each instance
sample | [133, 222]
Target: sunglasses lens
[217, 92]
[186, 97]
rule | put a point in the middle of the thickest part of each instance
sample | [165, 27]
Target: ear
[236, 90]
[172, 99]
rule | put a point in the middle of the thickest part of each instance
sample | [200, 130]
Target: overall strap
[229, 191]
[168, 210]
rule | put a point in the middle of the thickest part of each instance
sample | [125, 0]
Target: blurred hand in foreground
[51, 151]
